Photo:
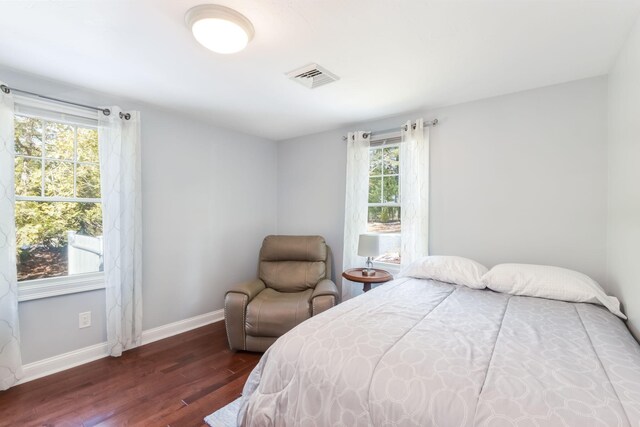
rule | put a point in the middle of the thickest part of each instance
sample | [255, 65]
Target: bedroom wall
[516, 178]
[201, 189]
[623, 244]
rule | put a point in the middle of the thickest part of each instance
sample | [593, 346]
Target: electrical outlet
[84, 319]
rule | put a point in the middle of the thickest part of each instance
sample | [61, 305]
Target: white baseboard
[64, 361]
[74, 358]
[175, 328]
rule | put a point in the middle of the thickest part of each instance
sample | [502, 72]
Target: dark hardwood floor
[177, 382]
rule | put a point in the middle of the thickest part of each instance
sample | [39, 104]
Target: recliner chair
[293, 285]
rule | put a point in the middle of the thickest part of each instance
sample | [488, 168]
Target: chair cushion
[292, 276]
[273, 313]
[293, 248]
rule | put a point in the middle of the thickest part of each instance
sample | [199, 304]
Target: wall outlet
[84, 319]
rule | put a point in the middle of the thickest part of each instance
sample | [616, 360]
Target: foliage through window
[58, 210]
[384, 200]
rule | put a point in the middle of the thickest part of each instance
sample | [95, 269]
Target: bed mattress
[417, 352]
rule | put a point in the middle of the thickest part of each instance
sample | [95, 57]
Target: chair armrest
[250, 288]
[235, 310]
[324, 296]
[325, 287]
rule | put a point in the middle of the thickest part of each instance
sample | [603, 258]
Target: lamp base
[369, 271]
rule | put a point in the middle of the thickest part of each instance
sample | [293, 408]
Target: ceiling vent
[312, 76]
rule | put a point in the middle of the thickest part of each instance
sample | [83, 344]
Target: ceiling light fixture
[219, 28]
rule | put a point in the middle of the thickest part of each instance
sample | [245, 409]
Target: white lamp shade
[369, 245]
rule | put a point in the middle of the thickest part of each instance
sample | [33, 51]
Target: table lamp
[369, 246]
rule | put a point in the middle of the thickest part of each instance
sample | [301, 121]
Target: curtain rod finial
[5, 89]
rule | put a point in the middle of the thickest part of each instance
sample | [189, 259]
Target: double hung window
[58, 207]
[383, 216]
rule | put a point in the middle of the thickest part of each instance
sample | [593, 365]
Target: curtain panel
[356, 199]
[414, 187]
[119, 145]
[10, 359]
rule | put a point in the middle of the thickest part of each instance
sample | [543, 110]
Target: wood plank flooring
[173, 382]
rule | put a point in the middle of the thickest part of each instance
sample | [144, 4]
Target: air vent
[312, 76]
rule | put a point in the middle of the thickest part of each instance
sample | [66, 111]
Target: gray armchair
[293, 285]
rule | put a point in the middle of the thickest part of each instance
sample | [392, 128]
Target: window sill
[55, 286]
[394, 269]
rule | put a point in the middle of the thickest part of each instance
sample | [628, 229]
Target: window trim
[29, 290]
[55, 199]
[390, 267]
[54, 107]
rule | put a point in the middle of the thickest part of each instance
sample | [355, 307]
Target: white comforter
[423, 353]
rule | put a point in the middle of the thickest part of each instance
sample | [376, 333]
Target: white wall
[623, 244]
[311, 188]
[516, 178]
[208, 199]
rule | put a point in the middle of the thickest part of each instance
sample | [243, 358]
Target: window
[57, 186]
[384, 198]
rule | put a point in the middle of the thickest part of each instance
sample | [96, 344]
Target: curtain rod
[6, 89]
[431, 123]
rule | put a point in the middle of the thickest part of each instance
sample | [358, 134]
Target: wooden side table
[355, 275]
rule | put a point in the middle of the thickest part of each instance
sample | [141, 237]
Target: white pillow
[449, 269]
[545, 281]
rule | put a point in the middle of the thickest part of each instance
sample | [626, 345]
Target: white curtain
[414, 187]
[356, 198]
[119, 142]
[10, 359]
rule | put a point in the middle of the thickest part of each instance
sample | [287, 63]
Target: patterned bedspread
[423, 353]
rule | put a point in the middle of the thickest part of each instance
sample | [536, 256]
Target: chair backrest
[293, 263]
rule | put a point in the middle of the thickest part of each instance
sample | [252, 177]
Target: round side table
[355, 275]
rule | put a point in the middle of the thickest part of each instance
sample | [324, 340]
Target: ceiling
[391, 56]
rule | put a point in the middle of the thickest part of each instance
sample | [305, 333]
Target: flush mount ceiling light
[219, 28]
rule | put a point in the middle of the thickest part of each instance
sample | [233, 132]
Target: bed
[418, 352]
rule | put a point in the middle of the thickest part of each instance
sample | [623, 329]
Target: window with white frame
[58, 202]
[383, 216]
